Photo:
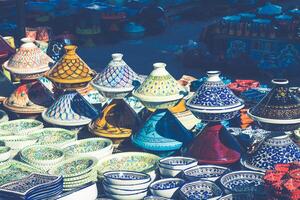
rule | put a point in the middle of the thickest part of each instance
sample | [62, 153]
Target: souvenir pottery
[29, 62]
[92, 95]
[42, 45]
[19, 127]
[70, 110]
[214, 102]
[162, 134]
[117, 122]
[3, 116]
[7, 87]
[178, 163]
[117, 80]
[155, 198]
[204, 172]
[70, 72]
[166, 187]
[159, 90]
[200, 190]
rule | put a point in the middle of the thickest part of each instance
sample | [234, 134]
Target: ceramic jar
[70, 72]
[160, 90]
[116, 81]
[29, 62]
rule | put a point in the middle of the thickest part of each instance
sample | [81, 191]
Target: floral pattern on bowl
[19, 127]
[166, 187]
[204, 172]
[126, 178]
[177, 162]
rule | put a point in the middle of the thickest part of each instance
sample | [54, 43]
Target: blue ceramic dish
[204, 172]
[126, 177]
[178, 163]
[166, 187]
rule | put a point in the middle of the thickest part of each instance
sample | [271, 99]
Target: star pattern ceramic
[159, 90]
[214, 101]
[70, 72]
[29, 62]
[279, 110]
[117, 80]
[19, 127]
[71, 109]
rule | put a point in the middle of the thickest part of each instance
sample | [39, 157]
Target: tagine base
[215, 145]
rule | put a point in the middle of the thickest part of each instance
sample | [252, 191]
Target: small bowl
[204, 172]
[127, 191]
[166, 187]
[178, 163]
[168, 172]
[134, 196]
[155, 198]
[142, 186]
[4, 153]
[126, 177]
[200, 190]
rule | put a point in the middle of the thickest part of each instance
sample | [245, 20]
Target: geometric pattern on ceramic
[204, 172]
[215, 117]
[166, 184]
[116, 77]
[275, 150]
[117, 120]
[63, 113]
[20, 127]
[200, 190]
[214, 97]
[129, 161]
[279, 106]
[92, 95]
[243, 181]
[15, 170]
[3, 116]
[161, 132]
[29, 60]
[159, 87]
[70, 70]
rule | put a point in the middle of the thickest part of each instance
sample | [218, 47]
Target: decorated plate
[20, 127]
[132, 161]
[75, 166]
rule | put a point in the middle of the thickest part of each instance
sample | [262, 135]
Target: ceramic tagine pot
[278, 112]
[70, 72]
[214, 102]
[162, 133]
[29, 62]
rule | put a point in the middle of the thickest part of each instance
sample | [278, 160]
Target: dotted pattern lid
[116, 75]
[29, 59]
[70, 69]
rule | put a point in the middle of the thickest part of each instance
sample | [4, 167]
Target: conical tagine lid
[28, 61]
[279, 106]
[70, 72]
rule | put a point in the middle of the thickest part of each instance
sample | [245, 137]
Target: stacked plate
[76, 171]
[42, 156]
[126, 184]
[33, 187]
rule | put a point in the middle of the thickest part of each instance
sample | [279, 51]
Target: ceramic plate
[20, 127]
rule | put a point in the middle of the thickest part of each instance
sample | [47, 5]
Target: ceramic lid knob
[117, 56]
[159, 69]
[213, 76]
[27, 43]
[70, 49]
[280, 81]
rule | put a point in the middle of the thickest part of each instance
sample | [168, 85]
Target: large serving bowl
[20, 127]
[166, 187]
[204, 172]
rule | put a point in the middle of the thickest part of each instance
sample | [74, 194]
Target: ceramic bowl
[168, 172]
[127, 191]
[243, 181]
[134, 196]
[20, 127]
[3, 116]
[4, 153]
[204, 172]
[166, 187]
[97, 147]
[155, 198]
[126, 177]
[238, 196]
[18, 142]
[200, 190]
[141, 186]
[178, 163]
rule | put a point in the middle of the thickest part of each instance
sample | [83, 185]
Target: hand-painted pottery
[214, 101]
[92, 95]
[15, 170]
[134, 196]
[214, 145]
[162, 134]
[200, 190]
[4, 153]
[279, 110]
[155, 198]
[243, 181]
[3, 116]
[269, 9]
[179, 163]
[166, 187]
[141, 186]
[204, 172]
[70, 72]
[117, 80]
[135, 104]
[117, 121]
[253, 96]
[29, 62]
[7, 87]
[160, 90]
[125, 178]
[166, 172]
[117, 191]
[96, 147]
[272, 151]
[71, 109]
[131, 161]
[46, 83]
[20, 127]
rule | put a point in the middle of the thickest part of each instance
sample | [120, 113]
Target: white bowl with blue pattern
[166, 187]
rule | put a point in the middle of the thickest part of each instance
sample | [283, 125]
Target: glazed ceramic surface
[20, 127]
[159, 90]
[204, 172]
[126, 178]
[69, 110]
[179, 163]
[92, 95]
[166, 187]
[155, 198]
[134, 196]
[3, 116]
[243, 181]
[116, 80]
[270, 9]
[214, 101]
[200, 190]
[169, 172]
[4, 153]
[118, 191]
[279, 109]
[70, 72]
[29, 62]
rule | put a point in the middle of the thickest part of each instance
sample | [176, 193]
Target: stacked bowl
[126, 184]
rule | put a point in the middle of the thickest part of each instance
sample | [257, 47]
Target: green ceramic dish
[4, 153]
[74, 166]
[54, 136]
[20, 127]
[81, 177]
